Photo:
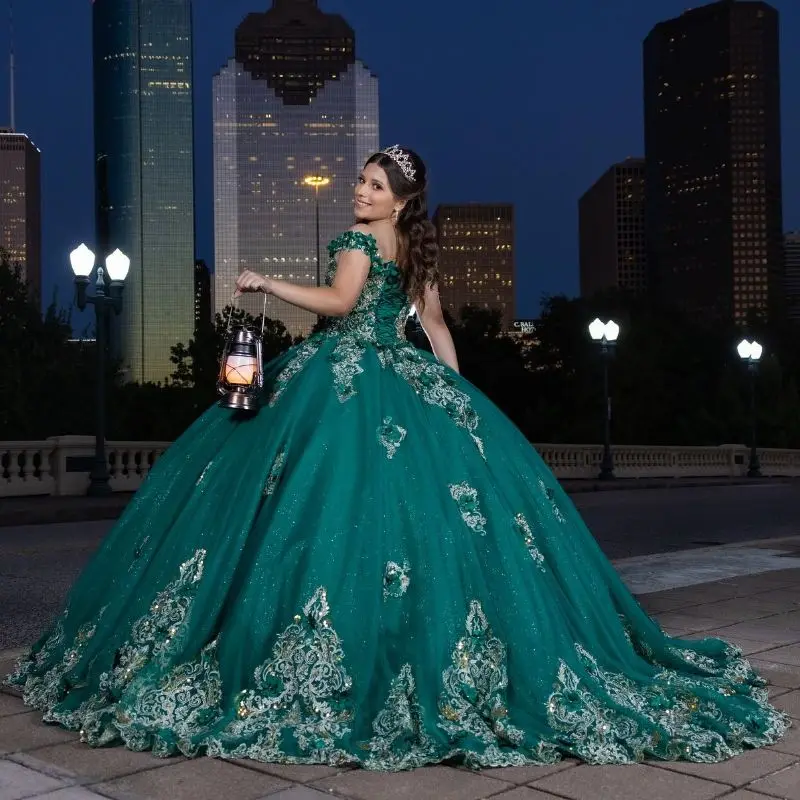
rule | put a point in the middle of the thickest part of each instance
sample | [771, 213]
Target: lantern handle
[230, 314]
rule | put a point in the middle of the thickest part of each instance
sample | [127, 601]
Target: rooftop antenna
[11, 62]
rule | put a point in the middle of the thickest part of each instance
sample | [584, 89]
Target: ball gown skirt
[375, 569]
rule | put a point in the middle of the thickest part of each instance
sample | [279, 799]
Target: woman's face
[373, 198]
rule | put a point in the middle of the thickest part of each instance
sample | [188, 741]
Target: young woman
[375, 569]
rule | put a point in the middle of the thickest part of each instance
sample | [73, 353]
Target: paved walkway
[756, 605]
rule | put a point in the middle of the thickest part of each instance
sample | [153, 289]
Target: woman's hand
[249, 281]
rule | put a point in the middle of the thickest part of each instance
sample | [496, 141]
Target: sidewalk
[42, 510]
[758, 612]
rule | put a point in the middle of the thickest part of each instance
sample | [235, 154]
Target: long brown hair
[418, 253]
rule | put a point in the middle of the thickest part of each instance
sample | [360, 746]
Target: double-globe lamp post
[606, 335]
[750, 353]
[103, 300]
[316, 182]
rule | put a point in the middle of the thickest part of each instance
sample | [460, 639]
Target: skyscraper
[202, 293]
[293, 103]
[792, 262]
[144, 172]
[21, 207]
[476, 257]
[713, 158]
[611, 225]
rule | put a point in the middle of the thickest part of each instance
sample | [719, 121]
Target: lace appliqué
[157, 633]
[396, 579]
[400, 741]
[522, 526]
[30, 665]
[138, 552]
[473, 701]
[467, 500]
[275, 473]
[203, 474]
[352, 240]
[305, 351]
[101, 718]
[615, 720]
[437, 387]
[391, 436]
[345, 360]
[43, 675]
[551, 496]
[185, 701]
[364, 324]
[302, 691]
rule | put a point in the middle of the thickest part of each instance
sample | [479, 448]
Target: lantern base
[239, 401]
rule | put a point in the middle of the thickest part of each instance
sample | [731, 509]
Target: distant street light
[750, 353]
[316, 182]
[117, 265]
[606, 334]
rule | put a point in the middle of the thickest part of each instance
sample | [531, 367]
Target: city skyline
[578, 128]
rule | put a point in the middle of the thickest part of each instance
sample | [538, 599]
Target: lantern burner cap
[244, 336]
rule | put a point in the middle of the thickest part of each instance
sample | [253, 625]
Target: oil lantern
[241, 374]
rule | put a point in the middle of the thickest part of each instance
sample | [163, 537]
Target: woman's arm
[436, 329]
[329, 301]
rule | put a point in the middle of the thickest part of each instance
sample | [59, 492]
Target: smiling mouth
[360, 203]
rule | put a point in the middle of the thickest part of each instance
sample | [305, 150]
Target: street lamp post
[117, 265]
[606, 334]
[316, 182]
[750, 353]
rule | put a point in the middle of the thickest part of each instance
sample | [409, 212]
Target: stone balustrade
[60, 465]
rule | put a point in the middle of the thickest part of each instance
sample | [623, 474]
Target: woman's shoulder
[358, 237]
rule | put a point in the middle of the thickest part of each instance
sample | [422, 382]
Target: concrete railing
[641, 461]
[60, 465]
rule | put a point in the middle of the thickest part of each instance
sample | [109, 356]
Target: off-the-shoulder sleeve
[355, 240]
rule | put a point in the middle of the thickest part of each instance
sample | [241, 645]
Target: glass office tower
[713, 160]
[144, 172]
[294, 102]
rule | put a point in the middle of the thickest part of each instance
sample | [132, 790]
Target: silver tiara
[403, 160]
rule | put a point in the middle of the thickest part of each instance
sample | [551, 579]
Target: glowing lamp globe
[82, 261]
[597, 329]
[117, 265]
[241, 376]
[612, 331]
[604, 331]
[750, 351]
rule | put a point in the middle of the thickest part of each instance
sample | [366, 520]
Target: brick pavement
[758, 612]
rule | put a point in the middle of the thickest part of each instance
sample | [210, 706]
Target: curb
[47, 510]
[581, 486]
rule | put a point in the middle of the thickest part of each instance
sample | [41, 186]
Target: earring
[395, 215]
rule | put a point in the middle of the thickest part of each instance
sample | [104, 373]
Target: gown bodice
[380, 313]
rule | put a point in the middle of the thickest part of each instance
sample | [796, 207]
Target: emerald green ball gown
[376, 569]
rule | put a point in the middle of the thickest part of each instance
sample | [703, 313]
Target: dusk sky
[506, 101]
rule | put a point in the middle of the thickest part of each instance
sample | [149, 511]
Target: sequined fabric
[375, 569]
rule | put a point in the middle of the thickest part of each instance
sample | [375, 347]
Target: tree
[675, 378]
[47, 383]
